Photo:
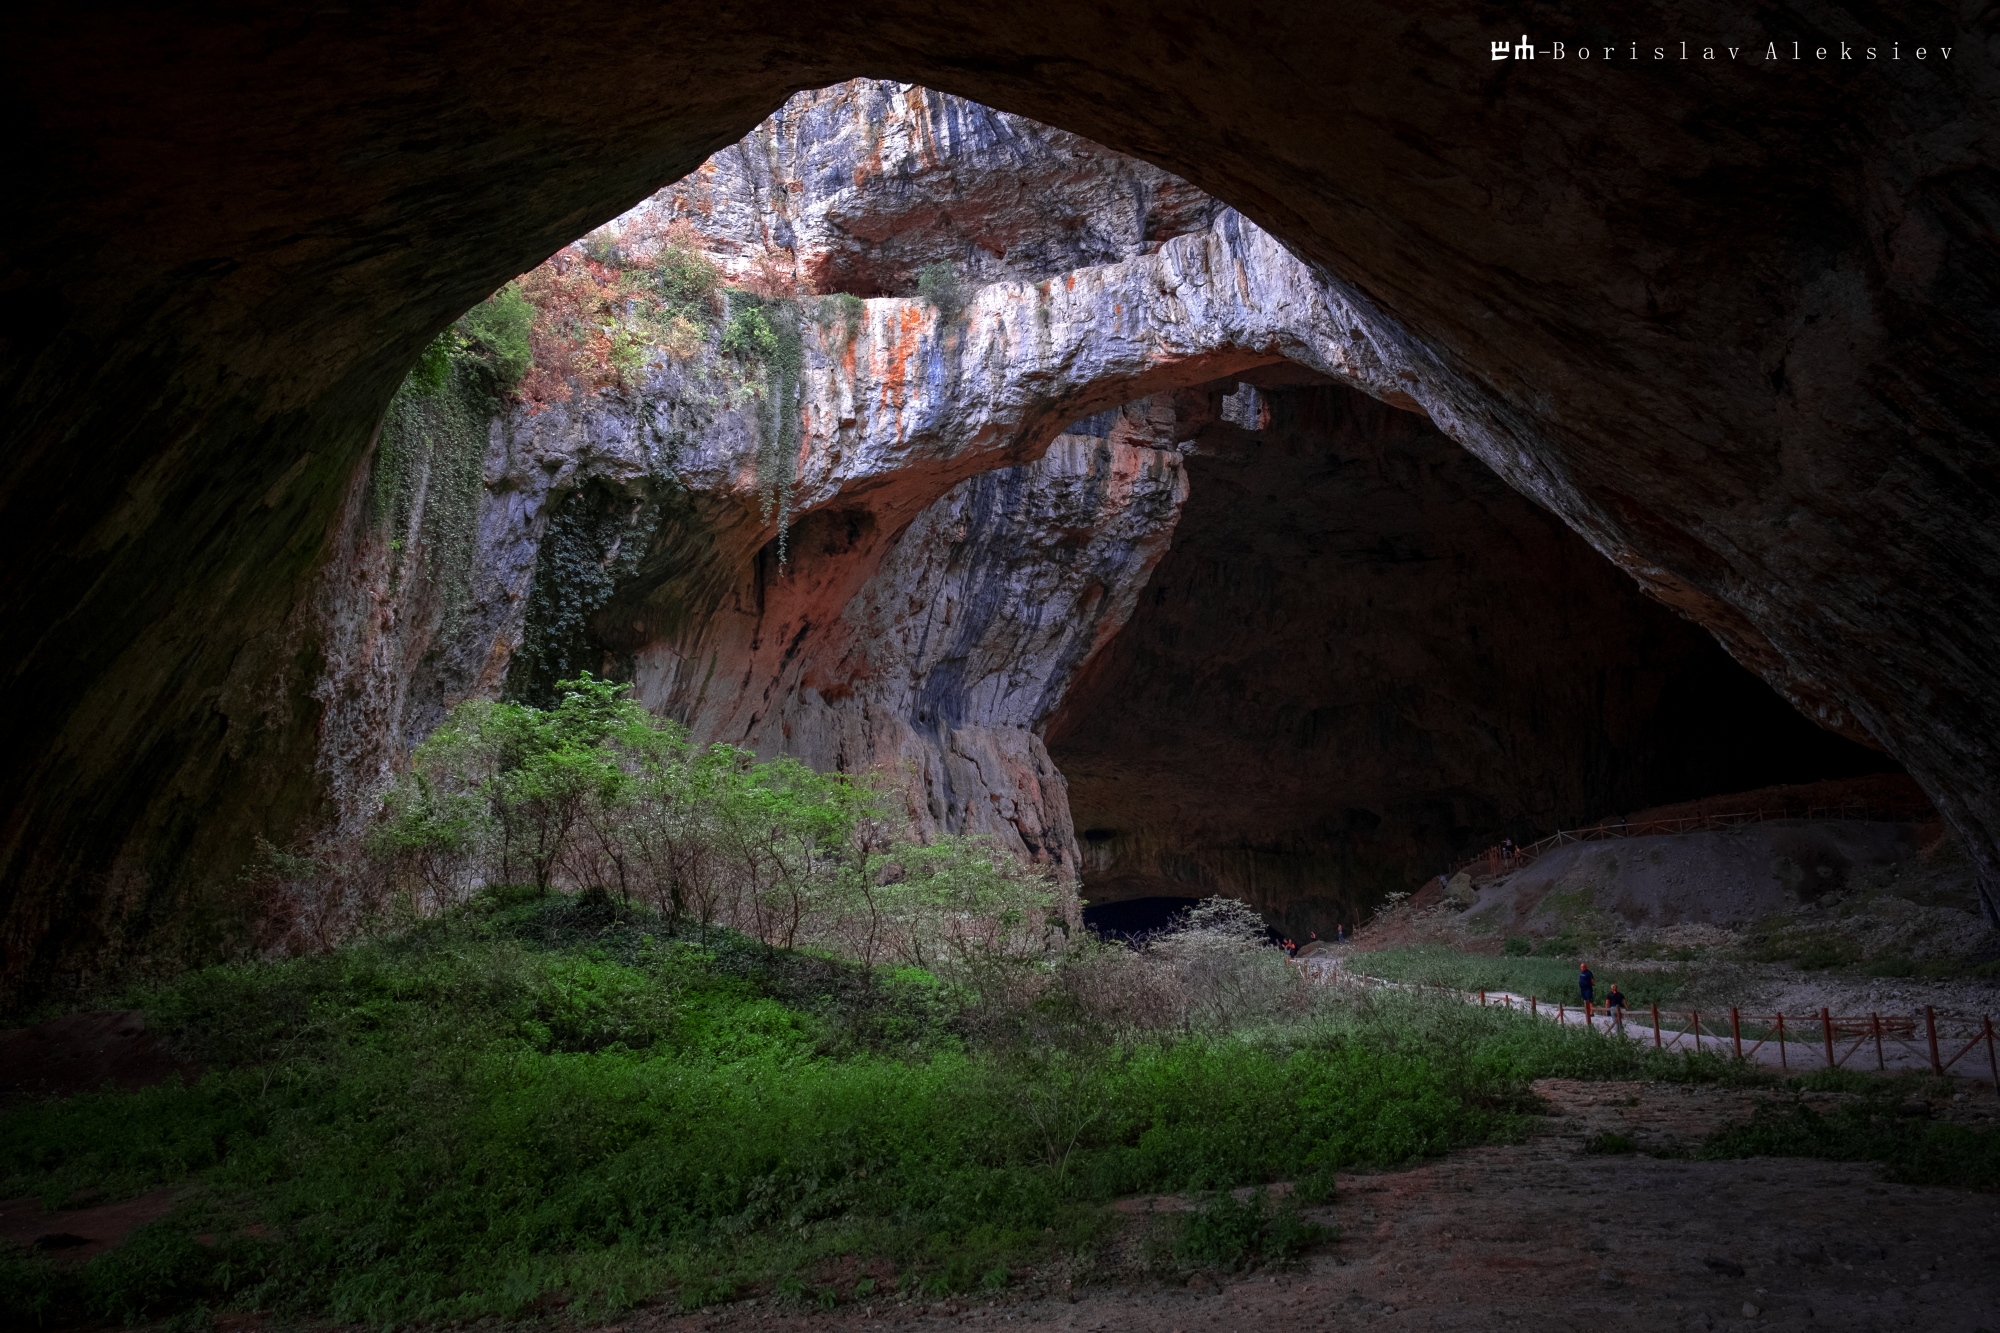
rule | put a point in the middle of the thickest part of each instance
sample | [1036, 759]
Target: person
[1507, 850]
[1444, 881]
[1586, 982]
[1339, 933]
[1614, 1004]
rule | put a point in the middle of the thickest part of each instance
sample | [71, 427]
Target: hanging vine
[429, 466]
[766, 333]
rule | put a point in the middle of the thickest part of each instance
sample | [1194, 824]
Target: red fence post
[1782, 1064]
[1930, 1027]
[1482, 997]
[1826, 1031]
[1695, 1014]
[1736, 1031]
[1656, 1025]
[1534, 1007]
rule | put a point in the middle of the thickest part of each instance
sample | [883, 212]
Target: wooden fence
[1822, 1040]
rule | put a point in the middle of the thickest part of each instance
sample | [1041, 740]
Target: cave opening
[1080, 567]
[1363, 656]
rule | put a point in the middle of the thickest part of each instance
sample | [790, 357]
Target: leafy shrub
[1231, 1234]
[748, 334]
[844, 309]
[1914, 1149]
[1518, 946]
[938, 284]
[685, 278]
[499, 329]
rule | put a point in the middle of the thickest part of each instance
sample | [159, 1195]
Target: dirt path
[1901, 1045]
[1541, 1235]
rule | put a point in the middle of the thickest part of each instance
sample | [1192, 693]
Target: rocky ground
[1788, 915]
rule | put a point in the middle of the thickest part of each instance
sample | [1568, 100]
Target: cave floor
[1540, 1233]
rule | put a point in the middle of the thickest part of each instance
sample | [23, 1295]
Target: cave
[702, 665]
[1363, 657]
[1739, 338]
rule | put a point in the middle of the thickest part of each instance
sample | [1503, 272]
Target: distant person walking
[1507, 850]
[1586, 982]
[1339, 933]
[1614, 1004]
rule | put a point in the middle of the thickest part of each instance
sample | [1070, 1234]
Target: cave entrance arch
[244, 230]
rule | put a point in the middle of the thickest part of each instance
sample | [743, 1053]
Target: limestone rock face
[856, 187]
[932, 655]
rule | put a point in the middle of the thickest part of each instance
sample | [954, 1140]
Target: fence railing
[1496, 860]
[1822, 1040]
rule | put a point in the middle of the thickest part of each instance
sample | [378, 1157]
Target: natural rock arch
[1733, 320]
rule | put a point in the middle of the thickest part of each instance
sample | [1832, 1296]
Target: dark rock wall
[1364, 655]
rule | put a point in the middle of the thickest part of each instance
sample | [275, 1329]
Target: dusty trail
[1900, 1045]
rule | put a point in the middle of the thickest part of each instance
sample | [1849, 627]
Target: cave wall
[1365, 655]
[1734, 321]
[856, 187]
[927, 657]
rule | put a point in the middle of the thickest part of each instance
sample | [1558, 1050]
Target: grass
[1550, 978]
[545, 1103]
[1886, 1125]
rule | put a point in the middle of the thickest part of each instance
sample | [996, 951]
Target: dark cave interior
[1364, 656]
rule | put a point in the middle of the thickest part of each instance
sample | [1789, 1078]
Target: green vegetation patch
[430, 459]
[546, 1098]
[1882, 1127]
[1552, 979]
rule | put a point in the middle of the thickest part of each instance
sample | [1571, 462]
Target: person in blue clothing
[1586, 982]
[1614, 1005]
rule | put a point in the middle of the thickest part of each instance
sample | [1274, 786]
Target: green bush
[749, 334]
[1518, 946]
[687, 280]
[1915, 1149]
[1231, 1234]
[938, 284]
[497, 330]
